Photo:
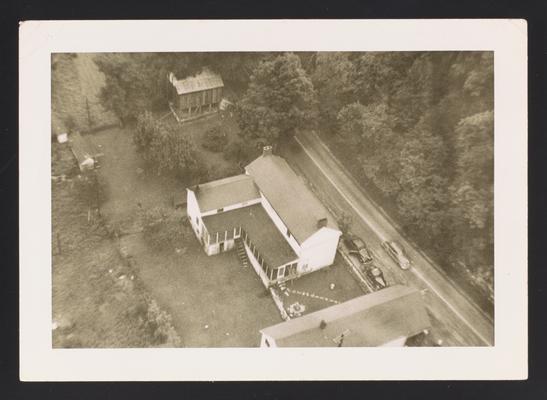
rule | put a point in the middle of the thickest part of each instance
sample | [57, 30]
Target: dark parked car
[359, 248]
[397, 252]
[375, 277]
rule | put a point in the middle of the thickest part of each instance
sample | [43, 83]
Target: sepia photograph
[298, 199]
[262, 200]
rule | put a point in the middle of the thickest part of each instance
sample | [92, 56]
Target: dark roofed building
[197, 94]
[226, 192]
[263, 236]
[289, 196]
[387, 317]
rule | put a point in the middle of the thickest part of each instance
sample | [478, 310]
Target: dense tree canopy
[280, 99]
[165, 150]
[136, 82]
[419, 127]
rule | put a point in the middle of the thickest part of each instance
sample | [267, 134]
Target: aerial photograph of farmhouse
[272, 199]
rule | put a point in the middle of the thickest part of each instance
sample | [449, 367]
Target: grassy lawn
[95, 301]
[128, 189]
[214, 301]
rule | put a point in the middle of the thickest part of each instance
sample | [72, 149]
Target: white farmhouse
[271, 217]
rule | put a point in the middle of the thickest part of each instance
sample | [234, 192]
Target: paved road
[455, 318]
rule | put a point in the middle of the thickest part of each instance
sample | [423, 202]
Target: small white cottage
[271, 217]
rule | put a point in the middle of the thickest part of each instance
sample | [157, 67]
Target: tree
[162, 230]
[215, 139]
[366, 125]
[333, 78]
[171, 152]
[280, 99]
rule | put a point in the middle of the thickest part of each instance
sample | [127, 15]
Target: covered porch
[268, 251]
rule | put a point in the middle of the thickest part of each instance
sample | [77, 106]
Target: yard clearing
[213, 301]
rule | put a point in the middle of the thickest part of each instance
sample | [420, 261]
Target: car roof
[396, 246]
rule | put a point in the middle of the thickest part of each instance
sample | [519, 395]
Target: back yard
[213, 301]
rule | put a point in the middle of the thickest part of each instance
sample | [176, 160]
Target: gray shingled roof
[370, 320]
[226, 192]
[293, 201]
[261, 230]
[203, 81]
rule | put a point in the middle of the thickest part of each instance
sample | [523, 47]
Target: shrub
[215, 139]
[162, 231]
[241, 152]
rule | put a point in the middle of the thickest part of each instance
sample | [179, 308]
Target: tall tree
[280, 99]
[333, 77]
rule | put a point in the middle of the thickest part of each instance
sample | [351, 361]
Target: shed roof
[203, 81]
[370, 320]
[225, 192]
[261, 230]
[84, 150]
[293, 201]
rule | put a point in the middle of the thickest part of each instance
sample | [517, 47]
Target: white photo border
[506, 360]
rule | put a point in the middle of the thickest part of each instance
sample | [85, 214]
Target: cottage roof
[293, 201]
[370, 320]
[262, 232]
[225, 192]
[203, 81]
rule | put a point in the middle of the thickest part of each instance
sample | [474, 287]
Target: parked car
[397, 252]
[375, 277]
[358, 247]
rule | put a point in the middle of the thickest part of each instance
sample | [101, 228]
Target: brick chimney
[267, 151]
[321, 223]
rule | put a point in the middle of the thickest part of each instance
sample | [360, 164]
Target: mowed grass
[213, 300]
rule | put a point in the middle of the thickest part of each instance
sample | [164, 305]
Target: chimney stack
[322, 223]
[267, 151]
